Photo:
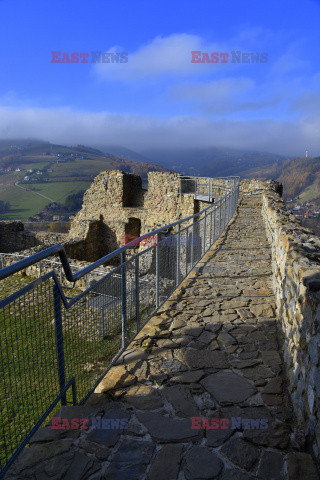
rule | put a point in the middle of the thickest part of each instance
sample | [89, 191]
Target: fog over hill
[208, 161]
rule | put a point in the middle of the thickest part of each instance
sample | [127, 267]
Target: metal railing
[47, 265]
[56, 348]
[206, 188]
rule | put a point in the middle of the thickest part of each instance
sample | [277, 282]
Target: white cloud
[163, 56]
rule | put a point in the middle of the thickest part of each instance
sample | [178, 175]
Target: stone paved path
[212, 352]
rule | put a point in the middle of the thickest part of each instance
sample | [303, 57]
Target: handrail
[73, 277]
[211, 178]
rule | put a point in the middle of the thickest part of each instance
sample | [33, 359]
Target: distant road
[32, 191]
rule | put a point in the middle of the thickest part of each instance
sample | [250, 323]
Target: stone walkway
[210, 358]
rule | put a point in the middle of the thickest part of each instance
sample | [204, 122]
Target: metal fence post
[186, 249]
[124, 297]
[227, 210]
[211, 241]
[59, 341]
[157, 272]
[192, 242]
[137, 292]
[178, 255]
[204, 232]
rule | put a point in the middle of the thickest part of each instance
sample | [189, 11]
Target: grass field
[36, 166]
[24, 203]
[310, 193]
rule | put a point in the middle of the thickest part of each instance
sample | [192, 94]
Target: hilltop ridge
[34, 172]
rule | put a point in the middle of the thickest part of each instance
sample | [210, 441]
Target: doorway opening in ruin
[132, 229]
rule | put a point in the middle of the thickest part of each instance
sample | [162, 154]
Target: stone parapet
[296, 284]
[13, 237]
[256, 186]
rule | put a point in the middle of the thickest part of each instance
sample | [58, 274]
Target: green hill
[34, 173]
[300, 177]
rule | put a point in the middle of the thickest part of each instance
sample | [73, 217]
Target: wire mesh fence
[53, 338]
[28, 361]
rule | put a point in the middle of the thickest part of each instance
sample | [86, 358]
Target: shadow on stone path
[211, 352]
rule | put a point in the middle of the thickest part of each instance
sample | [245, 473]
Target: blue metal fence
[56, 348]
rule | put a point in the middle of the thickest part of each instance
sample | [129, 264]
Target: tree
[52, 228]
[73, 201]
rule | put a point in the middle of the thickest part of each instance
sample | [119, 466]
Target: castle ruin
[117, 209]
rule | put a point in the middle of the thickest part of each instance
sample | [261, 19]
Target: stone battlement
[296, 284]
[117, 207]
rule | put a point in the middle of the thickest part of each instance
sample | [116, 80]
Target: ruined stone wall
[163, 202]
[116, 206]
[296, 282]
[254, 186]
[103, 203]
[14, 238]
[47, 239]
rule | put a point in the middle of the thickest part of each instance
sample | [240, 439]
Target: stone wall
[14, 238]
[119, 207]
[47, 239]
[296, 281]
[254, 186]
[103, 205]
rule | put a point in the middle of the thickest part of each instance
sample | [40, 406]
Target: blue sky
[159, 97]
